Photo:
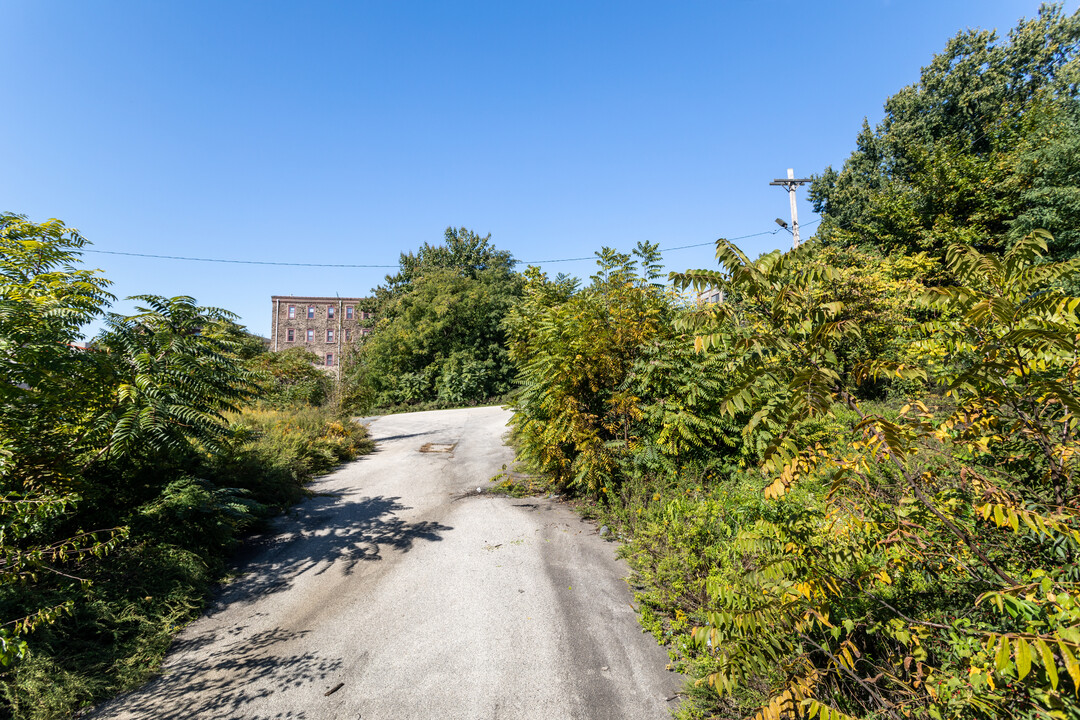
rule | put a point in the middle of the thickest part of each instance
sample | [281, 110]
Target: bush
[291, 378]
[156, 581]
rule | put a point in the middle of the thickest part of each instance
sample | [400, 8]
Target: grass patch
[518, 485]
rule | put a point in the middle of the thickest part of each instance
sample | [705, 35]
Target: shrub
[154, 582]
[291, 378]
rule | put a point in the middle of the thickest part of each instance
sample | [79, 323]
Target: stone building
[712, 295]
[324, 325]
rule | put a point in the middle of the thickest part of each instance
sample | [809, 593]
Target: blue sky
[348, 132]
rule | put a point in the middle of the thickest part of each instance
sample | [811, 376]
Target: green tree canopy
[984, 149]
[585, 358]
[462, 252]
[937, 575]
[291, 377]
[439, 335]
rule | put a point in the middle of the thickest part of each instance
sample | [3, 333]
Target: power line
[545, 262]
[972, 138]
[235, 262]
[346, 265]
[917, 86]
[680, 247]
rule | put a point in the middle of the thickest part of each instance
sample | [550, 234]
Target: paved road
[399, 592]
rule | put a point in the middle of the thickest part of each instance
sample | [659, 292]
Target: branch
[921, 496]
[885, 705]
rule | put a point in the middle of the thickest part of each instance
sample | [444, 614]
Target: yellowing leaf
[1023, 658]
[1002, 660]
[1071, 665]
[1049, 663]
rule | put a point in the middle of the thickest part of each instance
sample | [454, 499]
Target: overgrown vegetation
[931, 566]
[850, 490]
[982, 151]
[439, 339]
[858, 500]
[290, 378]
[128, 470]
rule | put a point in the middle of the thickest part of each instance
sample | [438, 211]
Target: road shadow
[219, 673]
[337, 530]
[224, 683]
[388, 438]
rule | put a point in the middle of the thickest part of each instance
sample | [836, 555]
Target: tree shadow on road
[388, 438]
[326, 531]
[224, 683]
[228, 672]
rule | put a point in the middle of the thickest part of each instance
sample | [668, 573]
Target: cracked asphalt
[398, 591]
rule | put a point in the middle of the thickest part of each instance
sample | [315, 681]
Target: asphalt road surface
[400, 592]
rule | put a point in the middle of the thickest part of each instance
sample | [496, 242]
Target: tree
[983, 150]
[46, 387]
[462, 252]
[439, 336]
[73, 420]
[172, 379]
[292, 377]
[577, 414]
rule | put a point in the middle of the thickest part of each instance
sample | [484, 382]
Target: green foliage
[798, 324]
[237, 339]
[463, 252]
[894, 531]
[115, 635]
[679, 393]
[439, 337]
[117, 628]
[575, 416]
[981, 151]
[291, 378]
[937, 576]
[44, 298]
[196, 514]
[127, 470]
[288, 447]
[608, 391]
[171, 381]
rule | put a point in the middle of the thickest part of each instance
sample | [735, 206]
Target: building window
[348, 312]
[290, 335]
[365, 331]
[330, 311]
[292, 312]
[348, 335]
[329, 336]
[311, 336]
[329, 359]
[310, 312]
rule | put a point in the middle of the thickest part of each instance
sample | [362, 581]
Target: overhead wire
[236, 262]
[680, 247]
[396, 265]
[973, 138]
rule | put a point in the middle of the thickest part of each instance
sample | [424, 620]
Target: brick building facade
[324, 325]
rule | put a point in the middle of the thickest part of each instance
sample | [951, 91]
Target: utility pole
[790, 182]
